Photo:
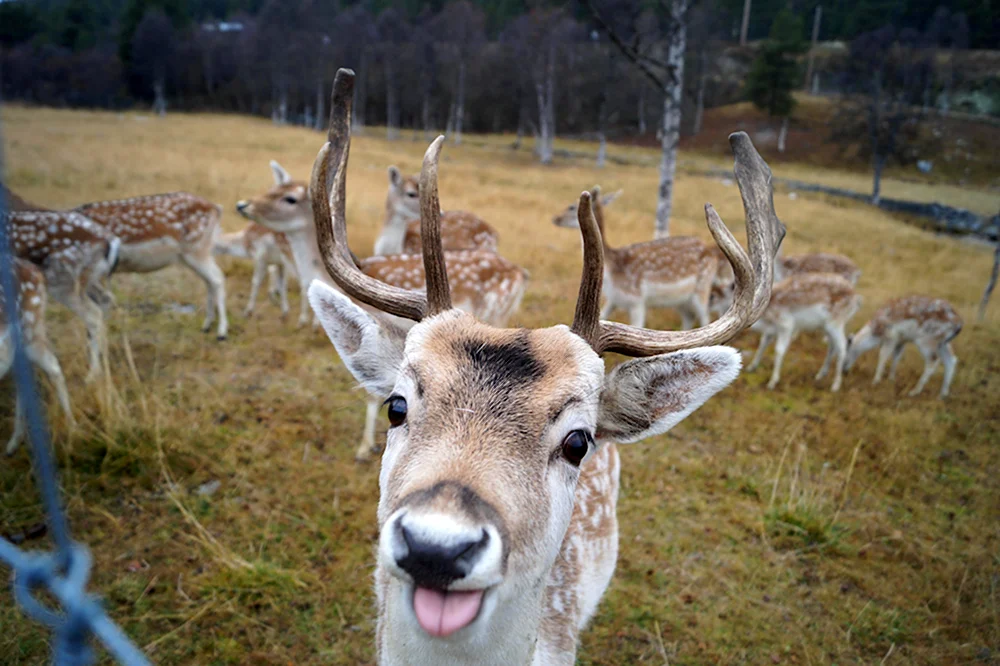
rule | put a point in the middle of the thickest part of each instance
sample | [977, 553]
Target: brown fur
[819, 262]
[187, 218]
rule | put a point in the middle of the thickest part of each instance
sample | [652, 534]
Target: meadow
[215, 481]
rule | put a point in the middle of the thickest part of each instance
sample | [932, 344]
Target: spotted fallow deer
[270, 253]
[807, 302]
[460, 230]
[675, 272]
[30, 307]
[159, 230]
[817, 262]
[484, 283]
[75, 255]
[929, 323]
[499, 482]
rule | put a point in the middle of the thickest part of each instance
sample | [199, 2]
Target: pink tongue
[443, 613]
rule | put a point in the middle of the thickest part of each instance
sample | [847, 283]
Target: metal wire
[65, 572]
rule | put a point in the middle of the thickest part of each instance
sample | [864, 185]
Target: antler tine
[436, 277]
[328, 189]
[586, 321]
[754, 274]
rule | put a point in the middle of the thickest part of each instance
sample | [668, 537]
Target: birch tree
[654, 37]
[460, 31]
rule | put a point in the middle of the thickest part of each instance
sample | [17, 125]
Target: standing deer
[817, 262]
[807, 302]
[267, 250]
[164, 229]
[75, 255]
[675, 272]
[484, 283]
[30, 308]
[460, 230]
[929, 323]
[499, 483]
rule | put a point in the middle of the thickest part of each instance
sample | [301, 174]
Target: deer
[270, 253]
[818, 262]
[498, 487]
[929, 323]
[160, 230]
[676, 272]
[807, 302]
[460, 230]
[485, 284]
[76, 255]
[30, 310]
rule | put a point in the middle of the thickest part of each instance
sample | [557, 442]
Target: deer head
[568, 218]
[490, 427]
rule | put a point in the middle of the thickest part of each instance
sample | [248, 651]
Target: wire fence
[63, 573]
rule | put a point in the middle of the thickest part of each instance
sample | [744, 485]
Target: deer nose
[435, 563]
[242, 205]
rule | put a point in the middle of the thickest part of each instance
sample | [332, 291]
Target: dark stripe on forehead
[511, 362]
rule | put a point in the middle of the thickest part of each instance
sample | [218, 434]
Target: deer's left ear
[648, 396]
[281, 177]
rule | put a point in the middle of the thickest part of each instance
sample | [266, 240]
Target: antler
[328, 189]
[754, 274]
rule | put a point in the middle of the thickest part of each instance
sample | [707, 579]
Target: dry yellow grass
[791, 526]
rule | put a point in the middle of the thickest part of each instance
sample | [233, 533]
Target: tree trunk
[391, 101]
[991, 284]
[783, 134]
[320, 106]
[671, 126]
[450, 124]
[746, 23]
[699, 100]
[307, 117]
[460, 103]
[425, 115]
[159, 97]
[602, 151]
[545, 91]
[360, 94]
[283, 107]
[877, 179]
[817, 16]
[642, 109]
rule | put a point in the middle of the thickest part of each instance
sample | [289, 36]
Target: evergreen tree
[775, 73]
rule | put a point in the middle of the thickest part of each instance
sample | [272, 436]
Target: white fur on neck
[390, 241]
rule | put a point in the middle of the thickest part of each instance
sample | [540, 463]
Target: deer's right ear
[395, 177]
[609, 198]
[281, 177]
[372, 349]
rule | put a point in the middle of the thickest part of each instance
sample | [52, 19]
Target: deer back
[460, 230]
[188, 219]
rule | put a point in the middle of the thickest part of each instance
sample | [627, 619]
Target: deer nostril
[436, 565]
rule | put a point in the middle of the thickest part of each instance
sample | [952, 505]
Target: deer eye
[575, 446]
[290, 200]
[413, 195]
[396, 410]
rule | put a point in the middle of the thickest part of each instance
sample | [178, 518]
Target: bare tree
[460, 29]
[152, 52]
[993, 276]
[393, 33]
[353, 34]
[653, 36]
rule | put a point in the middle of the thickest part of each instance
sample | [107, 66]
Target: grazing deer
[675, 272]
[484, 284]
[30, 307]
[268, 250]
[929, 323]
[460, 230]
[159, 230]
[807, 302]
[818, 262]
[75, 255]
[498, 487]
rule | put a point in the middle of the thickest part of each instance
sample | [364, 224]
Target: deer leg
[687, 321]
[884, 352]
[64, 289]
[259, 268]
[273, 281]
[637, 314]
[367, 448]
[950, 361]
[765, 341]
[897, 355]
[837, 341]
[784, 339]
[215, 281]
[930, 365]
[282, 290]
[606, 309]
[18, 434]
[826, 361]
[304, 310]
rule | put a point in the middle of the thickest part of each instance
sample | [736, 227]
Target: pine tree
[775, 73]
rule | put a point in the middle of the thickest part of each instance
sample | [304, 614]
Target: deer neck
[510, 641]
[612, 256]
[390, 241]
[305, 252]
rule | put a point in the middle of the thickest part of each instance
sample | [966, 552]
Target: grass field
[785, 527]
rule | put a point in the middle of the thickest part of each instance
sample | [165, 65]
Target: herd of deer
[499, 480]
